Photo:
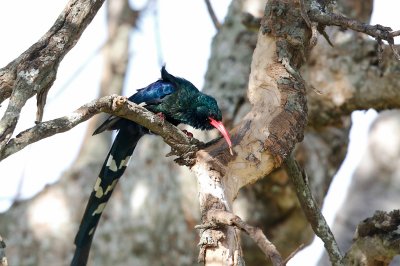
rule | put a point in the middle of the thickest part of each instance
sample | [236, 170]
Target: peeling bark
[272, 125]
[277, 96]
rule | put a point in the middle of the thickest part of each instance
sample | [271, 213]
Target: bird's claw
[161, 116]
[188, 134]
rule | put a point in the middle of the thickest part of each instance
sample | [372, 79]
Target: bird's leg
[188, 134]
[161, 116]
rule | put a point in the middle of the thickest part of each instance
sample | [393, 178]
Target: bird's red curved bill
[218, 125]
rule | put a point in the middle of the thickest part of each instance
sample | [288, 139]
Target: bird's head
[208, 112]
[203, 112]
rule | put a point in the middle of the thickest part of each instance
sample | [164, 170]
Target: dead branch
[220, 217]
[395, 33]
[291, 255]
[331, 19]
[312, 211]
[213, 17]
[378, 32]
[35, 70]
[116, 105]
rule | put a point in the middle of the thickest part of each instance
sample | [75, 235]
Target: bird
[178, 101]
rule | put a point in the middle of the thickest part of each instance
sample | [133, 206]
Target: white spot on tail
[99, 209]
[98, 188]
[125, 162]
[112, 164]
[111, 187]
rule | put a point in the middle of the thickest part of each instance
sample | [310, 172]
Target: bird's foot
[188, 134]
[161, 116]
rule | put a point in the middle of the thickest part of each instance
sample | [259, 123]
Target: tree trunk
[151, 217]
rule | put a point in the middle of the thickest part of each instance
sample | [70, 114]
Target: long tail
[114, 166]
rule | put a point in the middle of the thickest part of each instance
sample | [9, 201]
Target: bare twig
[395, 33]
[394, 50]
[378, 32]
[312, 211]
[35, 70]
[291, 255]
[214, 18]
[116, 105]
[311, 25]
[331, 19]
[221, 217]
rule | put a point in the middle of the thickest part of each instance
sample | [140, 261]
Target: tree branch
[379, 32]
[213, 17]
[376, 241]
[266, 135]
[331, 19]
[3, 257]
[116, 105]
[312, 211]
[357, 80]
[219, 217]
[35, 70]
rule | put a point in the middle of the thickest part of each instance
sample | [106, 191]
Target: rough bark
[354, 79]
[325, 145]
[155, 210]
[270, 203]
[266, 135]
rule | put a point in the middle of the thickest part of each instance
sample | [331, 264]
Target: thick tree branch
[116, 105]
[35, 70]
[355, 81]
[376, 241]
[213, 195]
[266, 135]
